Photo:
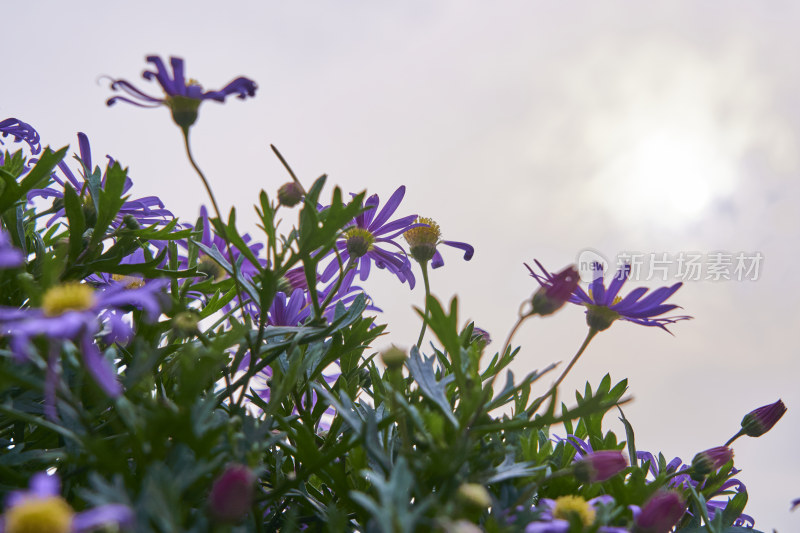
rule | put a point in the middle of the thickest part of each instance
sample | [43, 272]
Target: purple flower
[10, 256]
[711, 460]
[555, 290]
[182, 96]
[557, 515]
[208, 266]
[604, 306]
[661, 512]
[761, 420]
[423, 239]
[232, 494]
[144, 211]
[41, 508]
[77, 312]
[596, 467]
[362, 242]
[20, 132]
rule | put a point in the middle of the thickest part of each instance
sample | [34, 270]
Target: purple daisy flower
[211, 239]
[361, 239]
[557, 514]
[10, 255]
[20, 132]
[77, 312]
[41, 508]
[146, 211]
[423, 239]
[182, 96]
[604, 306]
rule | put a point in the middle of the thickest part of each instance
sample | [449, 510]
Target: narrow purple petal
[388, 209]
[113, 513]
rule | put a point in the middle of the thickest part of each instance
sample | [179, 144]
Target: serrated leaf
[422, 370]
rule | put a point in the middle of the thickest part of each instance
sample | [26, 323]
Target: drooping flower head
[604, 306]
[369, 239]
[20, 132]
[42, 509]
[182, 96]
[423, 239]
[555, 290]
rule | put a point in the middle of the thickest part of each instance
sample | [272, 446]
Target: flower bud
[185, 322]
[474, 495]
[761, 420]
[130, 222]
[661, 512]
[290, 194]
[232, 494]
[555, 292]
[481, 337]
[709, 461]
[393, 357]
[599, 466]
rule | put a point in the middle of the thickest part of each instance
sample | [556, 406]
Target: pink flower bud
[761, 420]
[600, 466]
[711, 460]
[661, 512]
[232, 494]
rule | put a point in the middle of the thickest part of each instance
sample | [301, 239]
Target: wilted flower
[604, 306]
[41, 509]
[361, 239]
[555, 290]
[20, 132]
[423, 239]
[661, 512]
[599, 466]
[232, 494]
[710, 460]
[182, 96]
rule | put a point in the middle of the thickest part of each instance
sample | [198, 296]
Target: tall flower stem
[586, 341]
[522, 318]
[232, 259]
[424, 266]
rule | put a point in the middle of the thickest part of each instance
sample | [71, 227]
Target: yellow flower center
[131, 282]
[359, 241]
[617, 299]
[69, 296]
[40, 515]
[570, 506]
[423, 235]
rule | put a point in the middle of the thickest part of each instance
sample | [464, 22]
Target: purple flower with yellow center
[759, 421]
[604, 306]
[41, 509]
[558, 516]
[555, 290]
[139, 212]
[182, 96]
[20, 132]
[363, 242]
[77, 312]
[423, 239]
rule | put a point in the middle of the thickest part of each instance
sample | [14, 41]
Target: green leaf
[422, 370]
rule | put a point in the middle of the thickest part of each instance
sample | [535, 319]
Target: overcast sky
[530, 130]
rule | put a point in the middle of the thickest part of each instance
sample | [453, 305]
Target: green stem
[424, 266]
[288, 168]
[214, 204]
[586, 341]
